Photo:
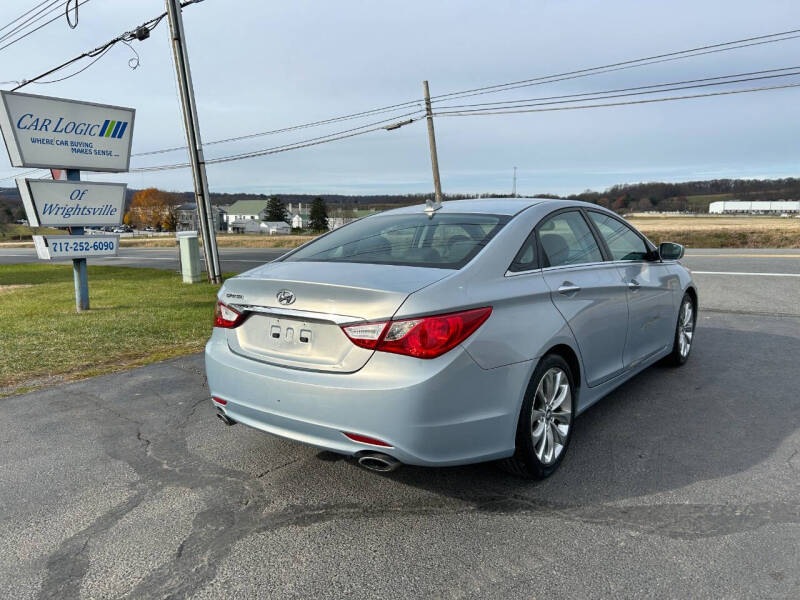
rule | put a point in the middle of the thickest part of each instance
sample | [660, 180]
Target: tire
[549, 407]
[683, 339]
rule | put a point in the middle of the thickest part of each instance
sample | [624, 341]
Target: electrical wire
[626, 103]
[506, 109]
[339, 135]
[609, 94]
[27, 33]
[103, 48]
[66, 14]
[15, 175]
[677, 55]
[630, 89]
[362, 130]
[680, 54]
[31, 18]
[81, 70]
[287, 129]
[26, 13]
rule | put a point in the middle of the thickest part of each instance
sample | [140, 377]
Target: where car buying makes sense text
[68, 136]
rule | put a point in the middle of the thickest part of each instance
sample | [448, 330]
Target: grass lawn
[137, 316]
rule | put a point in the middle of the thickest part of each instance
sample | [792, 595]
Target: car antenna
[431, 207]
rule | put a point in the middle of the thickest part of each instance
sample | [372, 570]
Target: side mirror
[670, 251]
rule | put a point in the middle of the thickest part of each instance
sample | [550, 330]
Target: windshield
[446, 241]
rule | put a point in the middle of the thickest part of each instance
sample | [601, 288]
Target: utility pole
[437, 184]
[193, 140]
[514, 186]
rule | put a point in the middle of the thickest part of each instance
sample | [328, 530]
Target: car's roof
[493, 206]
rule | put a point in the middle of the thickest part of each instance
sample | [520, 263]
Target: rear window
[446, 241]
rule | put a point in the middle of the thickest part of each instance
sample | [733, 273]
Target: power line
[27, 12]
[32, 171]
[393, 108]
[339, 135]
[677, 55]
[75, 12]
[27, 19]
[27, 33]
[721, 47]
[81, 70]
[335, 137]
[610, 94]
[626, 103]
[103, 48]
[630, 89]
[690, 53]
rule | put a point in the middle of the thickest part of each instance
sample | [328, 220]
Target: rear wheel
[545, 422]
[684, 332]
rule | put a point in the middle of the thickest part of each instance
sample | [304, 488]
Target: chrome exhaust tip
[381, 463]
[225, 418]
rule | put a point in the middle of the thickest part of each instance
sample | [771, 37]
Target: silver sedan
[473, 331]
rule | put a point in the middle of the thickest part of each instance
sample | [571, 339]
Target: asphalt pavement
[682, 483]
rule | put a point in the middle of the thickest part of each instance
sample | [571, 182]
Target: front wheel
[684, 332]
[545, 421]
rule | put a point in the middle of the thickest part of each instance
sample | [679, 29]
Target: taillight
[425, 337]
[365, 335]
[225, 316]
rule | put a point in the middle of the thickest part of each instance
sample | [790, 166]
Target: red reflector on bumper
[363, 439]
[219, 400]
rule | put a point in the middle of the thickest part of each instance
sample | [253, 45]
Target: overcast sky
[261, 65]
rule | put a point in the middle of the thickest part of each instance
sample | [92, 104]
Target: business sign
[71, 203]
[62, 247]
[45, 132]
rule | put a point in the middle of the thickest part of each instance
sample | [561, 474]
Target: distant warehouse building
[760, 207]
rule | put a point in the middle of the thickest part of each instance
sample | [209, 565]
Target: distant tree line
[673, 196]
[660, 196]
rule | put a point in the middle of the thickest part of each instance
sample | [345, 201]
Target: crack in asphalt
[156, 450]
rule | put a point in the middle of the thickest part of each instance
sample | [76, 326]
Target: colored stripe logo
[113, 129]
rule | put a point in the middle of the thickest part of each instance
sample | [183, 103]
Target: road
[233, 260]
[737, 280]
[682, 483]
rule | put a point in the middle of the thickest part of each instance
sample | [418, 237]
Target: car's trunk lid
[306, 332]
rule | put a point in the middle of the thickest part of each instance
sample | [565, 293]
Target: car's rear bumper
[445, 411]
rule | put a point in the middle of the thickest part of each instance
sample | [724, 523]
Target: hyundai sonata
[472, 331]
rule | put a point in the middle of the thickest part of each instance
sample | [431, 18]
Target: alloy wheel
[686, 329]
[551, 416]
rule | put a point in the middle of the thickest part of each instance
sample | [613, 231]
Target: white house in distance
[297, 216]
[245, 210]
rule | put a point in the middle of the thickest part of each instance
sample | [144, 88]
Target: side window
[567, 240]
[621, 239]
[525, 260]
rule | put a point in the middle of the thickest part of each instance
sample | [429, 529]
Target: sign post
[69, 136]
[79, 273]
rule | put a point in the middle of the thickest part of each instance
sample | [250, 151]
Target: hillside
[691, 196]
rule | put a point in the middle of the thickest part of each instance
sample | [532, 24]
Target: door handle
[633, 285]
[568, 288]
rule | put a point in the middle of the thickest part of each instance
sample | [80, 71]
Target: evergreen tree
[318, 217]
[276, 210]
